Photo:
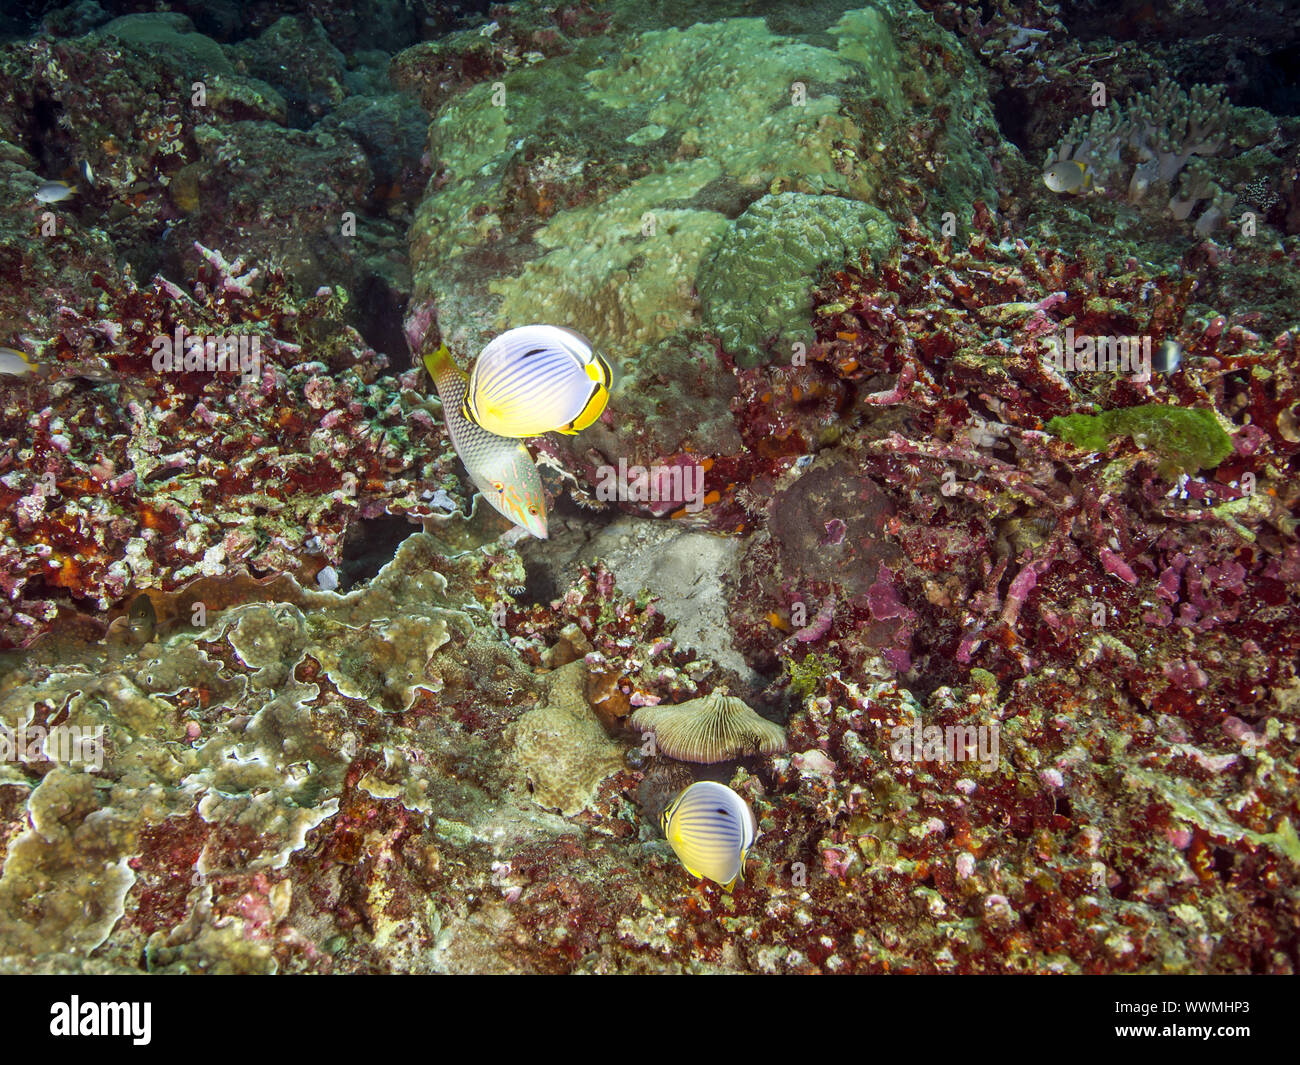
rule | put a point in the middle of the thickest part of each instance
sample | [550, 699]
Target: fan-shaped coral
[712, 729]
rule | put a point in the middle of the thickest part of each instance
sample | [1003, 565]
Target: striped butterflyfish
[710, 828]
[537, 379]
[500, 468]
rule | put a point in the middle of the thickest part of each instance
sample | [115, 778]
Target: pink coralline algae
[1114, 564]
[89, 523]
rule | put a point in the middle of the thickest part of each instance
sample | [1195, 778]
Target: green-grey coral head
[756, 288]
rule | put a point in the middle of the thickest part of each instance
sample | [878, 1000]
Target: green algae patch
[1186, 439]
[807, 674]
[171, 36]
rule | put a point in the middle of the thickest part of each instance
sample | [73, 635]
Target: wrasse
[501, 468]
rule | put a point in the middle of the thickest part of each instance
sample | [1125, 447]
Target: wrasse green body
[500, 467]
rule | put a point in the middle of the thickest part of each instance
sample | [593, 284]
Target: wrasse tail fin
[440, 361]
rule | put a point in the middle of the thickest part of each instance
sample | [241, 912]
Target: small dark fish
[101, 374]
[141, 620]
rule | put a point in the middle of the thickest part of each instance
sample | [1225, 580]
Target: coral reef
[998, 644]
[773, 247]
[153, 475]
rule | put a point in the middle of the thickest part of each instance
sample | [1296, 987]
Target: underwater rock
[671, 406]
[66, 878]
[391, 128]
[681, 568]
[601, 218]
[296, 56]
[278, 187]
[170, 35]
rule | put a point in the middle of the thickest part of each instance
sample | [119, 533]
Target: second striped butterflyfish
[710, 828]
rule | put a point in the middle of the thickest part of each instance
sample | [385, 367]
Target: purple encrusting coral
[1039, 700]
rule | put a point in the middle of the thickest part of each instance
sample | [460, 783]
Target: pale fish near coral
[710, 828]
[537, 379]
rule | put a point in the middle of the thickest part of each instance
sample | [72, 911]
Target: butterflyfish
[537, 379]
[710, 828]
[501, 468]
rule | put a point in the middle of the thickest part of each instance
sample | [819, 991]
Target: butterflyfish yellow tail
[602, 378]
